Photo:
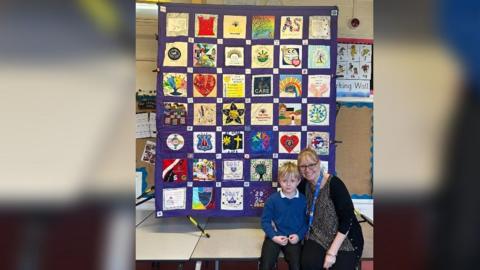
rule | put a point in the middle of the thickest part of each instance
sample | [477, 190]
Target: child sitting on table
[284, 221]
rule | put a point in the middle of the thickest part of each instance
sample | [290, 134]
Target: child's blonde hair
[288, 170]
[307, 152]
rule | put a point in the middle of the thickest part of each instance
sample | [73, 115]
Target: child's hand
[293, 239]
[281, 240]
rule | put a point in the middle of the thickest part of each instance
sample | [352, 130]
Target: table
[167, 239]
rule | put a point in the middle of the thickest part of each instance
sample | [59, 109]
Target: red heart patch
[204, 84]
[289, 142]
[296, 62]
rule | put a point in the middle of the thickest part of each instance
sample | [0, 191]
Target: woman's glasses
[309, 166]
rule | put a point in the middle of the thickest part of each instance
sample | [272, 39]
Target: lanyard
[315, 197]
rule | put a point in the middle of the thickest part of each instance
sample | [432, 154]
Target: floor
[230, 265]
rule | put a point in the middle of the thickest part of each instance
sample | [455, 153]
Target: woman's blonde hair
[288, 169]
[307, 152]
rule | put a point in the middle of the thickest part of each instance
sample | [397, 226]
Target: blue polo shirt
[288, 215]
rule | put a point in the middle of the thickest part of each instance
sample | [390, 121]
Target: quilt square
[232, 199]
[261, 169]
[204, 85]
[175, 54]
[289, 142]
[262, 56]
[233, 142]
[291, 27]
[175, 84]
[318, 56]
[261, 142]
[206, 25]
[234, 56]
[259, 195]
[203, 198]
[263, 27]
[233, 114]
[233, 169]
[319, 141]
[234, 26]
[204, 55]
[177, 24]
[290, 56]
[204, 142]
[318, 85]
[262, 85]
[233, 85]
[174, 198]
[318, 114]
[290, 85]
[203, 169]
[175, 114]
[204, 114]
[174, 170]
[262, 114]
[319, 27]
[290, 114]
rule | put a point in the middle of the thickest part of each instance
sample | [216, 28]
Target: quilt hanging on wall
[240, 91]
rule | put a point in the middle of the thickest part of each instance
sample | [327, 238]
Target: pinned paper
[234, 26]
[290, 114]
[261, 169]
[291, 27]
[149, 153]
[143, 126]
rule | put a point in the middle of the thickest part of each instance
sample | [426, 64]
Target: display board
[240, 91]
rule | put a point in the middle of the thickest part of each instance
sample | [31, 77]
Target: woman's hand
[293, 239]
[281, 240]
[330, 260]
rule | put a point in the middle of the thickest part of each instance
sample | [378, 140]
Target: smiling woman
[339, 240]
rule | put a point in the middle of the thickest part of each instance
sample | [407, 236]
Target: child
[286, 211]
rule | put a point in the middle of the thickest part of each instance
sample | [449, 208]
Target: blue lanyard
[315, 197]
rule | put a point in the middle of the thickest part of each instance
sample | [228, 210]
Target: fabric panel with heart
[205, 85]
[289, 142]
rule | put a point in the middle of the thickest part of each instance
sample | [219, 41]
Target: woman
[334, 239]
